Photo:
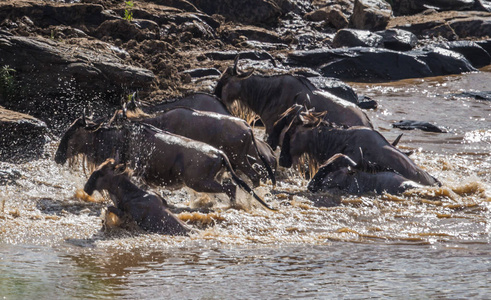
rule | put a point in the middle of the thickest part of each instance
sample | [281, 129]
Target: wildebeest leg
[249, 171]
[212, 186]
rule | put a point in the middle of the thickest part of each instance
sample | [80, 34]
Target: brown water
[428, 243]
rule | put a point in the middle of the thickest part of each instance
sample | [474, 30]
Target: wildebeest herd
[196, 142]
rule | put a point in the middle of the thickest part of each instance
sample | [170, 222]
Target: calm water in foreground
[429, 243]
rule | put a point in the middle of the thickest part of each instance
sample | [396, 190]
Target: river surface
[428, 243]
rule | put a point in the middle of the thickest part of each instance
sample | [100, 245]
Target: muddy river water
[428, 243]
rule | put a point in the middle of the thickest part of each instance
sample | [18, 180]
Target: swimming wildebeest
[159, 157]
[341, 173]
[205, 103]
[197, 101]
[270, 96]
[321, 140]
[149, 211]
[230, 134]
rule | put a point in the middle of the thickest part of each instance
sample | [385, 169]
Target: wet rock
[256, 34]
[336, 87]
[245, 11]
[470, 50]
[264, 46]
[398, 39]
[450, 25]
[361, 63]
[355, 38]
[230, 55]
[43, 64]
[299, 7]
[22, 136]
[412, 124]
[370, 14]
[365, 102]
[484, 5]
[203, 72]
[410, 7]
[317, 15]
[486, 45]
[482, 96]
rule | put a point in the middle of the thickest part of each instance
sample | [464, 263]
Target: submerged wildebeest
[270, 96]
[157, 156]
[148, 210]
[230, 134]
[321, 140]
[341, 173]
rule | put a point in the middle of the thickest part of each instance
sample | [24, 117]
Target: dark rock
[411, 124]
[486, 45]
[245, 11]
[317, 15]
[181, 4]
[470, 50]
[443, 61]
[230, 55]
[22, 137]
[410, 7]
[398, 39]
[9, 176]
[123, 30]
[484, 5]
[55, 77]
[365, 102]
[203, 72]
[258, 34]
[43, 64]
[472, 27]
[370, 14]
[482, 96]
[337, 18]
[336, 87]
[62, 14]
[355, 38]
[360, 63]
[298, 7]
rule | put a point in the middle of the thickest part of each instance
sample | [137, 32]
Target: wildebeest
[197, 101]
[148, 210]
[230, 134]
[324, 140]
[270, 96]
[159, 157]
[341, 173]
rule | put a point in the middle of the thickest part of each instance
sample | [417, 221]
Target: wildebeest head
[296, 133]
[228, 86]
[75, 140]
[102, 175]
[335, 173]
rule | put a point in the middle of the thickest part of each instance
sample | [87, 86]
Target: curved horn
[236, 62]
[236, 70]
[84, 118]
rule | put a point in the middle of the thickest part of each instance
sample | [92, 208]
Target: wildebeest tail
[263, 159]
[241, 183]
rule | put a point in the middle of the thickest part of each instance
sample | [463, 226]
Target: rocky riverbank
[60, 58]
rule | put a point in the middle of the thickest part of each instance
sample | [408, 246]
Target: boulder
[244, 11]
[362, 63]
[370, 14]
[57, 77]
[22, 137]
[470, 50]
[422, 125]
[398, 39]
[356, 37]
[411, 7]
[336, 87]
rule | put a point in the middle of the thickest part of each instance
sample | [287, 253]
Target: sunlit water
[428, 243]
